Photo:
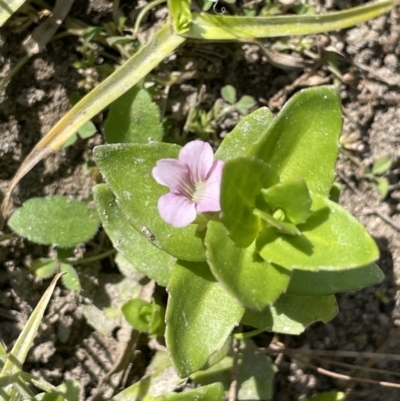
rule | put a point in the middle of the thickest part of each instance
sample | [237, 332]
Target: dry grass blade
[15, 359]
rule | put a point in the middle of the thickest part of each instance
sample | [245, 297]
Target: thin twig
[272, 349]
[346, 377]
[353, 367]
[371, 361]
[383, 216]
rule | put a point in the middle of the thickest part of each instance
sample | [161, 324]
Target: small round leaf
[55, 220]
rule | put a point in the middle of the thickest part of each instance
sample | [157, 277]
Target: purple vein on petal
[174, 174]
[210, 199]
[199, 158]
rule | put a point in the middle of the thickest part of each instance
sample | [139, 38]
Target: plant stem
[92, 258]
[143, 13]
[248, 334]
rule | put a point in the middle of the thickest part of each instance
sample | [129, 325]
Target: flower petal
[176, 210]
[199, 157]
[210, 199]
[173, 174]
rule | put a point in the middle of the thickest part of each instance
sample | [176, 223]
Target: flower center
[198, 191]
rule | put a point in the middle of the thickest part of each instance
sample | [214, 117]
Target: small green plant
[248, 237]
[204, 123]
[374, 174]
[145, 316]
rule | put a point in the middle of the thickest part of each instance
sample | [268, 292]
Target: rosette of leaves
[281, 248]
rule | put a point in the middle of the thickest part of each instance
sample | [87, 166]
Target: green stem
[241, 336]
[115, 11]
[143, 13]
[20, 64]
[92, 258]
[351, 157]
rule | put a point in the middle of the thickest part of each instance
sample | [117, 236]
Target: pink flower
[194, 181]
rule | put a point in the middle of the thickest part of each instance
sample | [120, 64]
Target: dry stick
[371, 361]
[293, 353]
[345, 377]
[280, 60]
[383, 216]
[351, 366]
[273, 349]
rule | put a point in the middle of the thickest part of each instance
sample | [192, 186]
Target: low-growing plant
[249, 237]
[374, 174]
[245, 240]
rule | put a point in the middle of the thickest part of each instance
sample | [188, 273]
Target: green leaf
[44, 267]
[254, 373]
[87, 130]
[133, 117]
[52, 397]
[281, 226]
[292, 197]
[16, 358]
[70, 279]
[212, 392]
[381, 165]
[70, 389]
[221, 27]
[7, 8]
[70, 141]
[331, 239]
[292, 314]
[119, 40]
[240, 140]
[330, 282]
[254, 282]
[179, 11]
[242, 180]
[55, 220]
[135, 247]
[228, 93]
[382, 185]
[91, 32]
[244, 104]
[305, 134]
[200, 317]
[328, 396]
[127, 169]
[144, 316]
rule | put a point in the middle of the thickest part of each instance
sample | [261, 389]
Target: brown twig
[371, 361]
[354, 367]
[340, 376]
[273, 349]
